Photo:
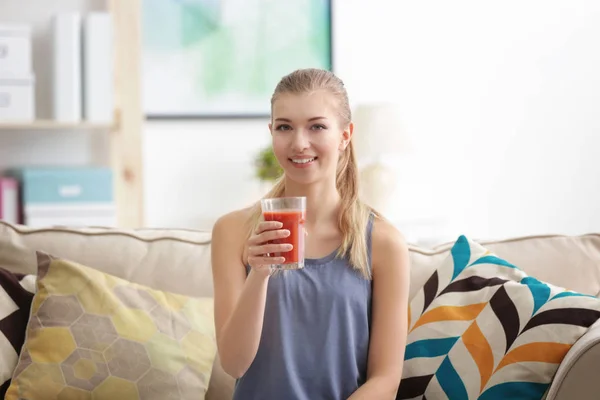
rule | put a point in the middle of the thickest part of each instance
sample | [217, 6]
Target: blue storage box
[81, 196]
[66, 185]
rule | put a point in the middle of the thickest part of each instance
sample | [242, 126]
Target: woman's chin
[303, 179]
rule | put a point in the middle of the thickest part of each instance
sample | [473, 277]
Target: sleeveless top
[315, 336]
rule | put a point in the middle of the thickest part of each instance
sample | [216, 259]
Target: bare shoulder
[389, 247]
[235, 220]
[229, 231]
[385, 236]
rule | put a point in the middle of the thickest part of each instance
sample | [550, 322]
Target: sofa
[178, 260]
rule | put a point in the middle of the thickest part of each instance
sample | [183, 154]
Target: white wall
[508, 93]
[500, 99]
[195, 171]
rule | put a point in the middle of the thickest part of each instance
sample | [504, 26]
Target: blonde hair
[354, 215]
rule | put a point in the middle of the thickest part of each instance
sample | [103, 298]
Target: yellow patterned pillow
[93, 335]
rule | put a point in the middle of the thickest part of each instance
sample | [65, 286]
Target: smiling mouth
[301, 161]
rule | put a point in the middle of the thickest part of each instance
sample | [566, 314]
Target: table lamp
[378, 136]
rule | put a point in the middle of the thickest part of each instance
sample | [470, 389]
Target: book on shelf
[9, 200]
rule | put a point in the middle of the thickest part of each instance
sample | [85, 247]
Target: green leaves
[267, 166]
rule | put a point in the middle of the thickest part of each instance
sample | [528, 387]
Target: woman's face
[307, 136]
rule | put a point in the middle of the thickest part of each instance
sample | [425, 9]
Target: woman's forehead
[305, 105]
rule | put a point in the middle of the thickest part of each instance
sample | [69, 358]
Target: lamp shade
[378, 131]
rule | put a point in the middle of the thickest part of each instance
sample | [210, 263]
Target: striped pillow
[481, 328]
[16, 295]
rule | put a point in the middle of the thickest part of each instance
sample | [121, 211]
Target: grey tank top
[315, 337]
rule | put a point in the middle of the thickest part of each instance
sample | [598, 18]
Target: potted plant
[267, 168]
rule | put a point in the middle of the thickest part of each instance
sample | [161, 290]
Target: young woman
[335, 329]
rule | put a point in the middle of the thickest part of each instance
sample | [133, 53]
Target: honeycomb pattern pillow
[481, 328]
[94, 335]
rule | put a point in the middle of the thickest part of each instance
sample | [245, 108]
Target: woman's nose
[300, 141]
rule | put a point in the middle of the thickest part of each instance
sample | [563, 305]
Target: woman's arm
[239, 302]
[391, 278]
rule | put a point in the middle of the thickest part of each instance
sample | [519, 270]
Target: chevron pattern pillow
[16, 295]
[481, 328]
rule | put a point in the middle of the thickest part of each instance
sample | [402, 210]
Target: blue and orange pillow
[481, 328]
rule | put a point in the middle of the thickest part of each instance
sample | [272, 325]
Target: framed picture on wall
[223, 58]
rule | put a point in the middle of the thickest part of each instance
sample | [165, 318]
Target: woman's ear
[346, 136]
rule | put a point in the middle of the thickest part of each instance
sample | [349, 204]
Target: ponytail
[354, 214]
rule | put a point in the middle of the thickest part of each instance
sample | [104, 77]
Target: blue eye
[319, 127]
[283, 127]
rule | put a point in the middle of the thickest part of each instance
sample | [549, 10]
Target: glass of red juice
[291, 212]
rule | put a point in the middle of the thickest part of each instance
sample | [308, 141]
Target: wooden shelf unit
[126, 132]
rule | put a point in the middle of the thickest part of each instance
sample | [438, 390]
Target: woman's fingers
[257, 261]
[260, 245]
[267, 236]
[272, 235]
[268, 226]
[269, 248]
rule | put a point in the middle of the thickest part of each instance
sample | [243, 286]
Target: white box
[79, 215]
[66, 67]
[17, 98]
[15, 50]
[98, 68]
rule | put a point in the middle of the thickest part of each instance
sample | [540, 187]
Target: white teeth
[303, 161]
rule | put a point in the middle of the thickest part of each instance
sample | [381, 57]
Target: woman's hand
[260, 247]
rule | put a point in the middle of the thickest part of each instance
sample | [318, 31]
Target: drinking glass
[291, 212]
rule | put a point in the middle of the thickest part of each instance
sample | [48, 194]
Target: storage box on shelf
[16, 98]
[15, 49]
[17, 81]
[79, 196]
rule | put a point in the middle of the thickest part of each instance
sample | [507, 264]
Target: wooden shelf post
[126, 139]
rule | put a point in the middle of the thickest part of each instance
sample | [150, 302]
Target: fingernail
[286, 232]
[279, 224]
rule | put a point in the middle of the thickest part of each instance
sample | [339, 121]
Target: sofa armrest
[577, 375]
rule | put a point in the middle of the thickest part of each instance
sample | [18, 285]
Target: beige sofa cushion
[176, 261]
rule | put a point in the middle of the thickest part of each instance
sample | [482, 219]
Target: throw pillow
[16, 294]
[481, 328]
[94, 335]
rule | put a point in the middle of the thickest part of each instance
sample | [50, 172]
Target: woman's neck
[322, 201]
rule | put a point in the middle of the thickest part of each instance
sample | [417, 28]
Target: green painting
[223, 58]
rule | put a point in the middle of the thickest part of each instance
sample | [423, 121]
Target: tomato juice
[292, 220]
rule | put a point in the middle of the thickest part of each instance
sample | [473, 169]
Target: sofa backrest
[178, 260]
[572, 262]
